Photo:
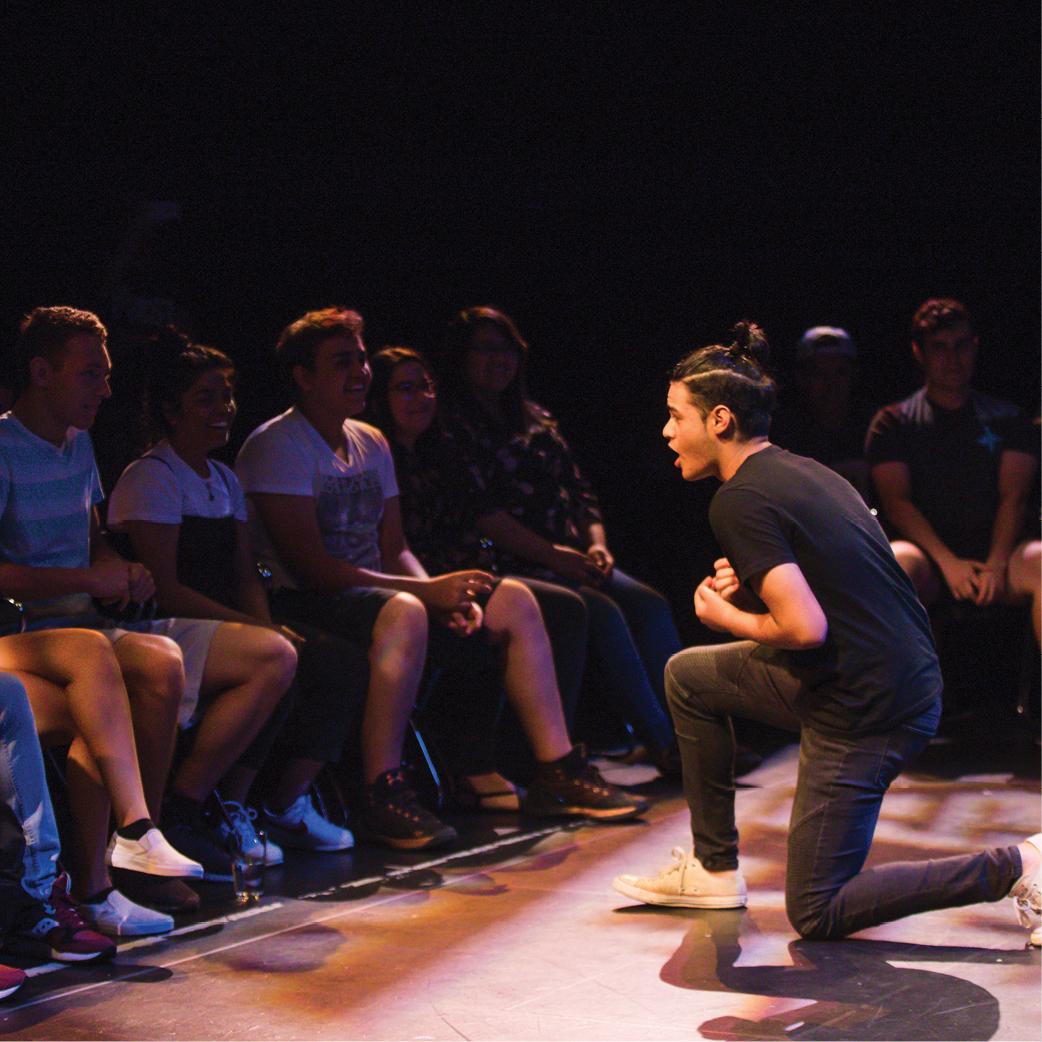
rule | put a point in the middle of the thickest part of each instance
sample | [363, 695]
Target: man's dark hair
[298, 342]
[44, 332]
[937, 314]
[734, 376]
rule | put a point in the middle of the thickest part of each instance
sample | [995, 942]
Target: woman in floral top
[550, 525]
[442, 504]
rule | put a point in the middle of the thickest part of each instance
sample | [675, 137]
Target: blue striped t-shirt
[47, 493]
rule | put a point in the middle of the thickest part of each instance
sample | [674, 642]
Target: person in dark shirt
[833, 644]
[551, 526]
[821, 416]
[953, 468]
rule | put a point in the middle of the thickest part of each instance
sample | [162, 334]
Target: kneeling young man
[834, 645]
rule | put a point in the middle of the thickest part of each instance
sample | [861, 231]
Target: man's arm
[1016, 472]
[108, 577]
[793, 620]
[515, 538]
[894, 484]
[292, 525]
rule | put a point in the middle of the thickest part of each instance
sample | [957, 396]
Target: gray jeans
[839, 788]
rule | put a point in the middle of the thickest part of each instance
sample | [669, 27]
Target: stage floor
[523, 938]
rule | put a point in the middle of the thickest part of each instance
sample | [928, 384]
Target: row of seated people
[950, 468]
[345, 636]
[353, 617]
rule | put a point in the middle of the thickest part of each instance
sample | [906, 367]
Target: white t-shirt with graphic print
[287, 456]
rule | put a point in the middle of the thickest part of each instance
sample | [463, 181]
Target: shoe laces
[590, 777]
[65, 909]
[677, 863]
[242, 819]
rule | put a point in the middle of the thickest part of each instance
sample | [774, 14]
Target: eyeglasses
[411, 388]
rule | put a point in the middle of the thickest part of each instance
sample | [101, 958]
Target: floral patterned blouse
[531, 475]
[441, 502]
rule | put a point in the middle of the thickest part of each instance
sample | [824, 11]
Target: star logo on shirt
[989, 439]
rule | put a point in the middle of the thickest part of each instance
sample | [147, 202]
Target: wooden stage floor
[522, 937]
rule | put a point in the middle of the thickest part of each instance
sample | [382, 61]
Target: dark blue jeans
[839, 789]
[632, 635]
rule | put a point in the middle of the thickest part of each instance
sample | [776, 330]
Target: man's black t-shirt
[877, 667]
[953, 459]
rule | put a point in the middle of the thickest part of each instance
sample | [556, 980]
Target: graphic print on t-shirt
[349, 508]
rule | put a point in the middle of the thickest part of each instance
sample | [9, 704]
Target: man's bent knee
[152, 666]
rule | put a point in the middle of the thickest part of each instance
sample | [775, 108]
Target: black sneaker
[160, 892]
[394, 816]
[201, 844]
[572, 787]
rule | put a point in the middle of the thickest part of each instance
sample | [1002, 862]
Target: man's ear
[721, 421]
[40, 371]
[917, 353]
[303, 377]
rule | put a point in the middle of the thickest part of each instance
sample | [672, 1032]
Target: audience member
[323, 489]
[437, 492]
[37, 915]
[551, 526]
[821, 417]
[185, 516]
[225, 678]
[76, 691]
[953, 468]
[442, 502]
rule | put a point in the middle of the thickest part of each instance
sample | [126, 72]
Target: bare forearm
[176, 599]
[765, 629]
[516, 539]
[1008, 521]
[253, 600]
[24, 582]
[595, 534]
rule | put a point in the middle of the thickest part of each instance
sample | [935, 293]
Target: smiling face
[337, 384]
[412, 399]
[688, 435]
[206, 411]
[948, 357]
[76, 384]
[492, 362]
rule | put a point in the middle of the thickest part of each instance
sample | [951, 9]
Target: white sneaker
[686, 884]
[153, 855]
[239, 832]
[1027, 896]
[302, 827]
[118, 916]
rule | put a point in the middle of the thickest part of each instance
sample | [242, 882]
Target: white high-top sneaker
[1027, 897]
[684, 883]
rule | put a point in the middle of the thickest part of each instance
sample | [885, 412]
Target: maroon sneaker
[57, 929]
[10, 980]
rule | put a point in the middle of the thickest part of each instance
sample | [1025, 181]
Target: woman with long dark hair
[439, 505]
[551, 525]
[185, 517]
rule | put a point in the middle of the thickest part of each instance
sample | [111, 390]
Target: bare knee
[152, 667]
[401, 624]
[90, 652]
[275, 658]
[519, 601]
[1025, 570]
[917, 567]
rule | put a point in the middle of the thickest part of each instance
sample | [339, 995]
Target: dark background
[625, 179]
